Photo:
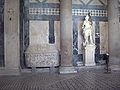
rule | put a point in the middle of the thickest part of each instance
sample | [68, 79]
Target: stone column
[11, 38]
[66, 35]
[114, 33]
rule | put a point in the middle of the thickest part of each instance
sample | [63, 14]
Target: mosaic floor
[83, 80]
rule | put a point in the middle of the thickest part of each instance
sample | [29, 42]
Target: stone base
[9, 72]
[89, 55]
[79, 64]
[67, 70]
[90, 64]
[114, 67]
[42, 56]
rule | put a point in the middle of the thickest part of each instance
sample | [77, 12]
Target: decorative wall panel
[42, 55]
[39, 32]
[103, 37]
[57, 34]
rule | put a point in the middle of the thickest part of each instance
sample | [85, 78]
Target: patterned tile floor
[83, 80]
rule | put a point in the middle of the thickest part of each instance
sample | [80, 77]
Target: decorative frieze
[76, 12]
[42, 59]
[84, 12]
[42, 56]
[44, 11]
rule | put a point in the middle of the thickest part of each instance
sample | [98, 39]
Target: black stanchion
[108, 70]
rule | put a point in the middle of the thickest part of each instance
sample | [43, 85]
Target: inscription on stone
[42, 60]
[42, 56]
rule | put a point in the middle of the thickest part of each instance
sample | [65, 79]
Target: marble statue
[89, 46]
[87, 31]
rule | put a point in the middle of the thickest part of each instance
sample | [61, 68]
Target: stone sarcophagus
[42, 56]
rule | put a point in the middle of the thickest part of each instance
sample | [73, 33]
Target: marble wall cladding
[119, 9]
[57, 34]
[93, 31]
[103, 37]
[40, 52]
[39, 32]
[80, 38]
[1, 33]
[44, 19]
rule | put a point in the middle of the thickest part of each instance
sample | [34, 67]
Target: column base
[67, 70]
[114, 67]
[9, 72]
[90, 64]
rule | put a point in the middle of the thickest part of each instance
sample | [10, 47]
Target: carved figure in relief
[87, 31]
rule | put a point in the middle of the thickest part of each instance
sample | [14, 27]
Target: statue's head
[87, 17]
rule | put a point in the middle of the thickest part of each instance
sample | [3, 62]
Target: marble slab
[103, 37]
[89, 55]
[57, 34]
[39, 32]
[42, 56]
[80, 37]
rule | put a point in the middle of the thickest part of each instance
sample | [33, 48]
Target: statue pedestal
[89, 55]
